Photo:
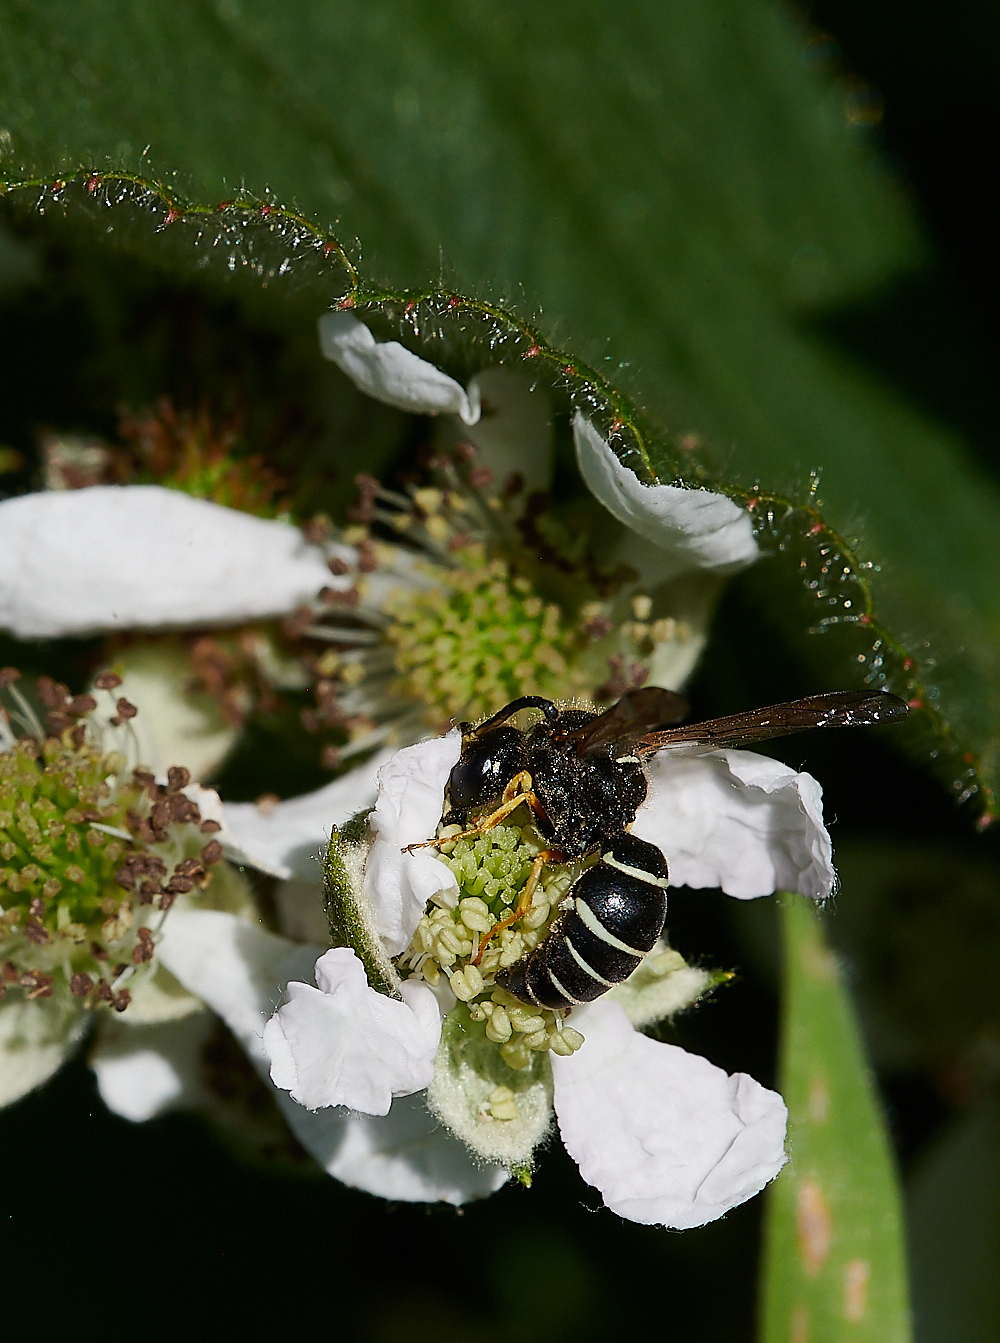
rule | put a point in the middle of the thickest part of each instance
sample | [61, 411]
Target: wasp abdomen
[619, 907]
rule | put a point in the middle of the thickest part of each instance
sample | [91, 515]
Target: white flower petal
[174, 726]
[391, 373]
[36, 1038]
[144, 1071]
[142, 557]
[342, 1043]
[287, 840]
[411, 793]
[241, 971]
[699, 528]
[235, 967]
[515, 431]
[406, 1156]
[668, 1138]
[738, 820]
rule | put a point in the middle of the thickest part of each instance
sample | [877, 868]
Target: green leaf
[834, 1266]
[672, 184]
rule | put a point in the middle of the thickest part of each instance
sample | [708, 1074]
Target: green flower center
[478, 638]
[57, 868]
[472, 938]
[84, 854]
[192, 451]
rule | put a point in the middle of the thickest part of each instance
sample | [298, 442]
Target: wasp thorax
[91, 858]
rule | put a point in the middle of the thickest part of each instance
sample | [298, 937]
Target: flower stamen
[508, 894]
[84, 847]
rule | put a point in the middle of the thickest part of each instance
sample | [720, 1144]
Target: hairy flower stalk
[92, 856]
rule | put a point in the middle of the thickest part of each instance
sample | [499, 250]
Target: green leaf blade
[834, 1266]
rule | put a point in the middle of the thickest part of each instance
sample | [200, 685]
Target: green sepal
[355, 831]
[467, 1071]
[664, 985]
[348, 911]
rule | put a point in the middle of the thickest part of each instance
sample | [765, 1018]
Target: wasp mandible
[582, 774]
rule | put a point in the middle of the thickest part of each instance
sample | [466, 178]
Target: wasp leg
[524, 899]
[511, 801]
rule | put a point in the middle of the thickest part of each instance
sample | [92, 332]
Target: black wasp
[582, 775]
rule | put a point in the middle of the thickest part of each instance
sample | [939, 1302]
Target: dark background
[110, 1226]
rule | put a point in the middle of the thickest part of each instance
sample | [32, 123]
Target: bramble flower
[399, 1026]
[93, 854]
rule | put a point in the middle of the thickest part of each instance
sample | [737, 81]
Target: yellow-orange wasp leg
[511, 801]
[524, 899]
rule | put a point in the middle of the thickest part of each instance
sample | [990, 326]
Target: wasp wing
[635, 714]
[842, 708]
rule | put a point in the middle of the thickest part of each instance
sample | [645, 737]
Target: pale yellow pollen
[353, 673]
[502, 1103]
[499, 1028]
[428, 500]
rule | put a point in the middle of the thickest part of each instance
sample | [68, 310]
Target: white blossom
[666, 1136]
